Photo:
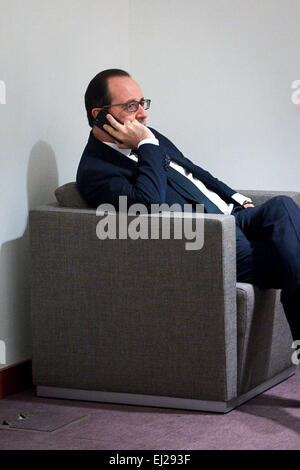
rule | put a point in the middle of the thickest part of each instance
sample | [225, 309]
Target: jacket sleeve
[103, 184]
[214, 184]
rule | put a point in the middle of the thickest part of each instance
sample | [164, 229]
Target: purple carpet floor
[269, 421]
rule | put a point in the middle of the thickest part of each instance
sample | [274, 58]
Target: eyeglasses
[131, 106]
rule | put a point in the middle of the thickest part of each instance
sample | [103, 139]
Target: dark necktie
[190, 191]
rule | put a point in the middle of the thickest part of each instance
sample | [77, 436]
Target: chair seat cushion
[263, 334]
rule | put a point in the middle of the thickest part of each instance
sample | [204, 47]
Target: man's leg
[255, 263]
[277, 223]
[291, 305]
[268, 251]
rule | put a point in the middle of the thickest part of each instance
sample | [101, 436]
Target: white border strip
[159, 401]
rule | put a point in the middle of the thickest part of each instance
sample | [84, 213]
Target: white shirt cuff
[240, 198]
[150, 140]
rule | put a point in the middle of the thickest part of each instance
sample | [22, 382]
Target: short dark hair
[97, 93]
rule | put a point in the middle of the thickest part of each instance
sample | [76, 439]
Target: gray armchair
[147, 322]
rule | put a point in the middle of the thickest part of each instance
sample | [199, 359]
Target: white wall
[49, 50]
[219, 73]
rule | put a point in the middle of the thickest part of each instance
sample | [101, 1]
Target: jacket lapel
[98, 149]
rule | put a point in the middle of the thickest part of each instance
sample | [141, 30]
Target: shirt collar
[125, 152]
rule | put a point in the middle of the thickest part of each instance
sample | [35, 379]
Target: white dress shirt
[214, 197]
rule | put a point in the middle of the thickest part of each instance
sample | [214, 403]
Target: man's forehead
[124, 89]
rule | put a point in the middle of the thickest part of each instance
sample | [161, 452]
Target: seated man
[267, 236]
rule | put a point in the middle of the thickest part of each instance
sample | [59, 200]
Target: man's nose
[141, 112]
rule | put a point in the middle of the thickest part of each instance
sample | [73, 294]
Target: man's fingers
[113, 122]
[109, 129]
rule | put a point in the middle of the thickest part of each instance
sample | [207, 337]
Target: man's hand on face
[131, 133]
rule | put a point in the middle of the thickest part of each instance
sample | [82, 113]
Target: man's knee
[282, 202]
[282, 199]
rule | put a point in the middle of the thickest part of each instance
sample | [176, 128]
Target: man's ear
[95, 112]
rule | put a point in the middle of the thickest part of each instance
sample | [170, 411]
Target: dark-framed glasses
[132, 106]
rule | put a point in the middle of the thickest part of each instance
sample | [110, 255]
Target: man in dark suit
[133, 160]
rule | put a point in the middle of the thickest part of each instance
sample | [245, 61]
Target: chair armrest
[128, 311]
[258, 196]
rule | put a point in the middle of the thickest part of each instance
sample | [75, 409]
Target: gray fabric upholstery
[68, 195]
[258, 197]
[147, 316]
[263, 336]
[118, 315]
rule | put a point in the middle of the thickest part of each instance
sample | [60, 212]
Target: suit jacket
[104, 174]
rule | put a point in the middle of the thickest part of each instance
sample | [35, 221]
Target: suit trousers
[268, 251]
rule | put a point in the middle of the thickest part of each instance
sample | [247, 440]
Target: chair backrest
[68, 195]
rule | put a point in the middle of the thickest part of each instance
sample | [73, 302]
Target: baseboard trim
[160, 401]
[15, 378]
